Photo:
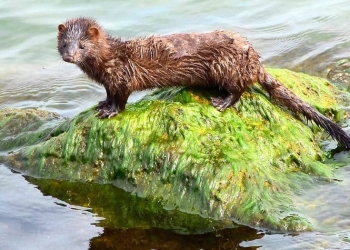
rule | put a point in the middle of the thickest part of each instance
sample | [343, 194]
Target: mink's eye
[82, 46]
[64, 45]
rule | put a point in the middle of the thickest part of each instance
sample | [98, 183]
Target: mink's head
[79, 40]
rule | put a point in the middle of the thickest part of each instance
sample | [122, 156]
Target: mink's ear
[61, 28]
[93, 32]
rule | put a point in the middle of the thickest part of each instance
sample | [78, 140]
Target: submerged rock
[22, 127]
[339, 72]
[244, 164]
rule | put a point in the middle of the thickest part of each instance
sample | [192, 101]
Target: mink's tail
[284, 96]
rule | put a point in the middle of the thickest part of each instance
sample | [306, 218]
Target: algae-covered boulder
[244, 164]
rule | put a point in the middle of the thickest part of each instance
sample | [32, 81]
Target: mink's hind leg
[223, 103]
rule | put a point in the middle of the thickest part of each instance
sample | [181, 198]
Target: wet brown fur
[219, 59]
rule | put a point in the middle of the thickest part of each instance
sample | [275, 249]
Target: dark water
[308, 36]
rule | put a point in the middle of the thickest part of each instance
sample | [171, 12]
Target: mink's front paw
[103, 105]
[107, 113]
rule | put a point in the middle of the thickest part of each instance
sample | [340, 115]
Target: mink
[218, 59]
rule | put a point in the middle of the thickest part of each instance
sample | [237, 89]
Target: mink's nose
[68, 58]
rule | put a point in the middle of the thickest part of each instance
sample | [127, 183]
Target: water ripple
[66, 92]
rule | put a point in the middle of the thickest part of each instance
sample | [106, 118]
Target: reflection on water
[164, 239]
[308, 36]
[136, 223]
[29, 220]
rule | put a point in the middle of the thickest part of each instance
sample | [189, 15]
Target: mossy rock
[244, 164]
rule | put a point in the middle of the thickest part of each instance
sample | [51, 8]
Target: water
[307, 36]
[30, 220]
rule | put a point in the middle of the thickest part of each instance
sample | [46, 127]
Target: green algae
[244, 164]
